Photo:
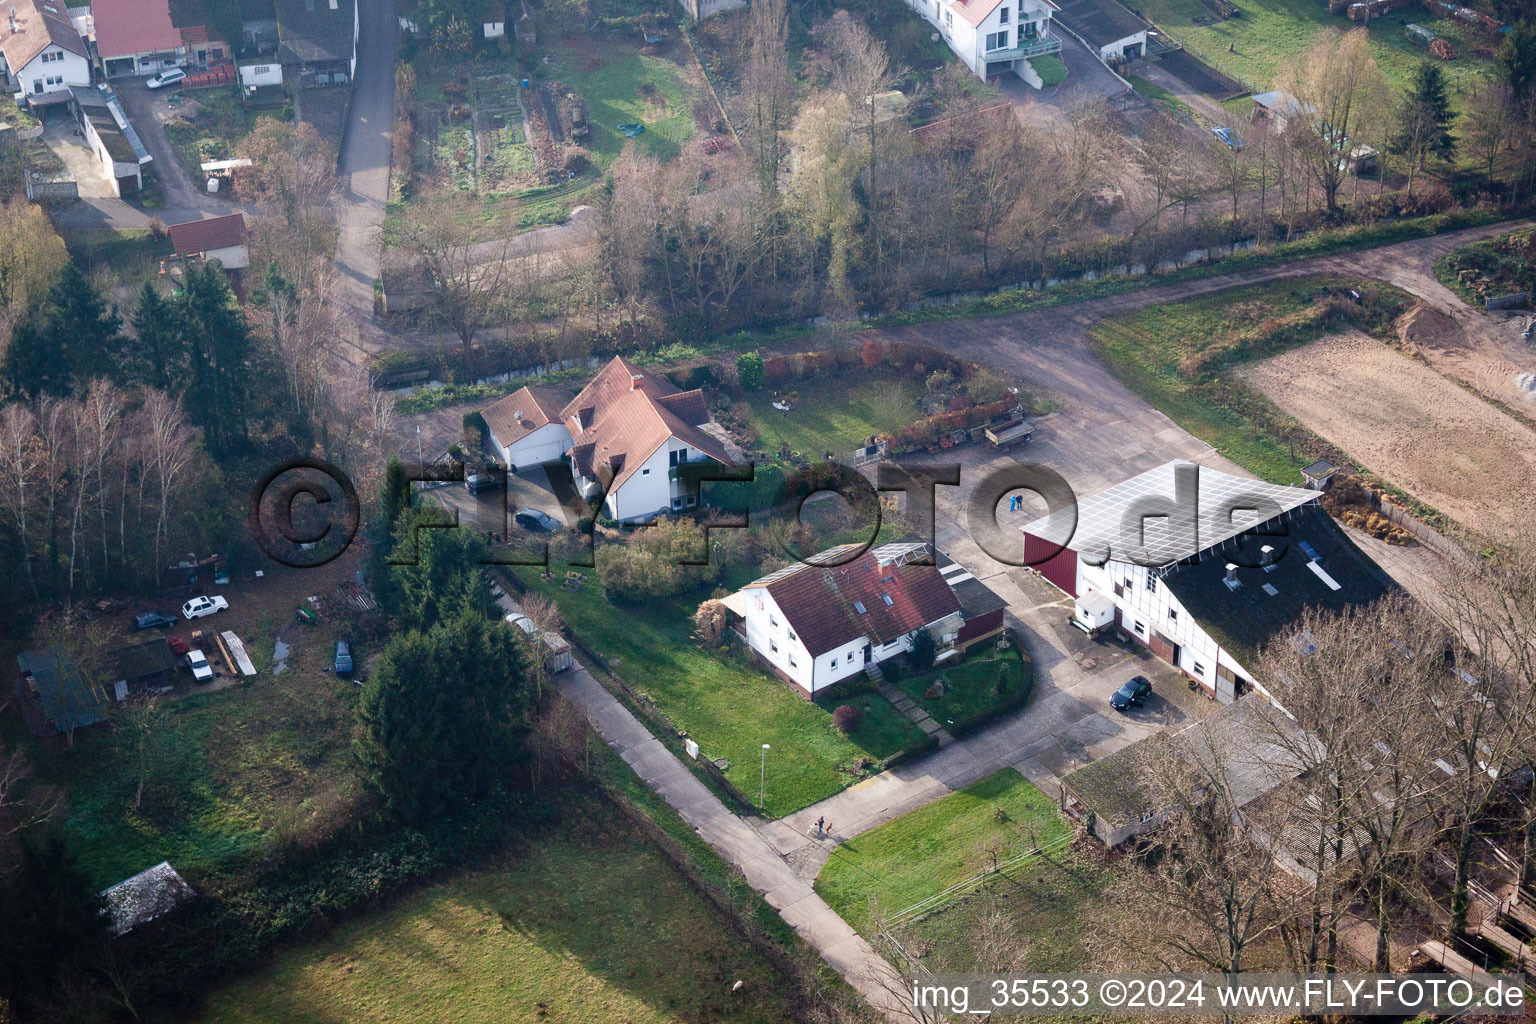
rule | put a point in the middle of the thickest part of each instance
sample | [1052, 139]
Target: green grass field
[632, 87]
[970, 686]
[835, 412]
[235, 773]
[731, 708]
[926, 851]
[592, 926]
[1256, 47]
[1144, 350]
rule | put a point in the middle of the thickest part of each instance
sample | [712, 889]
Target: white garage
[525, 427]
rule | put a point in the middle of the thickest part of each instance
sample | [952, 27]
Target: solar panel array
[1167, 514]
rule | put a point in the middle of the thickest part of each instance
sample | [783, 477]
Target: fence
[1426, 534]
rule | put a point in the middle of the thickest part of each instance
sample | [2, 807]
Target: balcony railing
[1042, 43]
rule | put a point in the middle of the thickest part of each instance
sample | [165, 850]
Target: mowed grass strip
[1143, 349]
[729, 707]
[836, 412]
[588, 928]
[925, 851]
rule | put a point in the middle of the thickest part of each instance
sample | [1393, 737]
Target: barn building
[1203, 567]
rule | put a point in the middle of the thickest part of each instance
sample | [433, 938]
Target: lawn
[925, 851]
[835, 412]
[970, 687]
[1256, 47]
[731, 708]
[213, 132]
[591, 925]
[237, 773]
[1144, 349]
[631, 87]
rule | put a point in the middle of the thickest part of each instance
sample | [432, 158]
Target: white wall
[73, 69]
[970, 43]
[651, 489]
[547, 444]
[1117, 48]
[1158, 609]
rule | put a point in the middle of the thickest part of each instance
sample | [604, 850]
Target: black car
[1134, 692]
[533, 519]
[343, 658]
[152, 620]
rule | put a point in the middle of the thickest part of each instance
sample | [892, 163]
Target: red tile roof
[39, 24]
[821, 602]
[625, 415]
[127, 27]
[524, 411]
[198, 236]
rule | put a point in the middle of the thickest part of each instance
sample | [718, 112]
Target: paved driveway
[1087, 81]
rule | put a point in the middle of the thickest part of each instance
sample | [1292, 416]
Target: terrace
[1035, 46]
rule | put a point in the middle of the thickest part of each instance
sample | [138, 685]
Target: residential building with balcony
[995, 37]
[43, 53]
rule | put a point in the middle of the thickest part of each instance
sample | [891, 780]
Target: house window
[773, 647]
[949, 18]
[773, 622]
[645, 472]
[677, 457]
[1173, 615]
[218, 54]
[791, 634]
[1140, 628]
[1002, 16]
[833, 662]
[1199, 669]
[791, 661]
[858, 606]
[1151, 582]
[887, 599]
[1027, 31]
[997, 40]
[49, 58]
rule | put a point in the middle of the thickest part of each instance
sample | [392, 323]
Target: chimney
[518, 415]
[1231, 578]
[634, 381]
[14, 27]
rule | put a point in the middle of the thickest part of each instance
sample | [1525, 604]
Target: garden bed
[969, 688]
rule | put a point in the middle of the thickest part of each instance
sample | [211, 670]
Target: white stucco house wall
[525, 428]
[994, 37]
[44, 54]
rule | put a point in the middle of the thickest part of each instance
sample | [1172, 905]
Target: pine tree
[218, 349]
[54, 919]
[397, 491]
[444, 715]
[1515, 64]
[159, 358]
[1426, 118]
[77, 337]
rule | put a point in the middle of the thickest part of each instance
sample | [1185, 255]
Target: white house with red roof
[213, 238]
[526, 428]
[625, 435]
[821, 621]
[994, 37]
[44, 54]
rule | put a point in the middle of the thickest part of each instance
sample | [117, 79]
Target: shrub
[654, 562]
[923, 650]
[847, 718]
[709, 623]
[750, 372]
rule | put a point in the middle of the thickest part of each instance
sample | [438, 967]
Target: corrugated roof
[822, 602]
[39, 24]
[193, 237]
[149, 894]
[1130, 521]
[128, 27]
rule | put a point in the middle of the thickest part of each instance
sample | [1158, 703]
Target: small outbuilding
[69, 700]
[1112, 32]
[214, 238]
[150, 894]
[144, 667]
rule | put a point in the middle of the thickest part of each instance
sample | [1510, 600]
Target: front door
[869, 654]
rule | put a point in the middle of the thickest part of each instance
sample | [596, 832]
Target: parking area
[1087, 81]
[68, 144]
[491, 511]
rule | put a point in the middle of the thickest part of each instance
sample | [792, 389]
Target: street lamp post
[419, 460]
[762, 779]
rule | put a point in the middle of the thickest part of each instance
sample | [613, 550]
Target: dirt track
[1417, 429]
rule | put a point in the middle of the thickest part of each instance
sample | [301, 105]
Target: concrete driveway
[1087, 81]
[68, 145]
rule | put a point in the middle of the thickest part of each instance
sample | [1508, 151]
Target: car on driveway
[1134, 692]
[170, 76]
[202, 672]
[153, 620]
[533, 519]
[200, 606]
[343, 658]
